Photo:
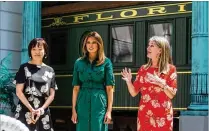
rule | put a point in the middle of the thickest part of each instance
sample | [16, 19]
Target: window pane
[122, 44]
[58, 43]
[164, 29]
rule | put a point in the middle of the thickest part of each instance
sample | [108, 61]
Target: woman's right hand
[74, 117]
[34, 116]
[32, 110]
[126, 73]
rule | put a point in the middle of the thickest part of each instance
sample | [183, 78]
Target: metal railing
[199, 88]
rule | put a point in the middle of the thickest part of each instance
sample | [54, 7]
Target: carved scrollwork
[58, 22]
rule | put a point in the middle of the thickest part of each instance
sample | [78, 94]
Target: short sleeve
[76, 81]
[138, 80]
[20, 76]
[109, 76]
[53, 82]
[172, 79]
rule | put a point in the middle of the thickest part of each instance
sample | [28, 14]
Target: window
[164, 29]
[57, 48]
[122, 43]
[161, 29]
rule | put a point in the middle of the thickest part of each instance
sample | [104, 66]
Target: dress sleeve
[109, 76]
[53, 82]
[20, 76]
[76, 81]
[138, 80]
[172, 79]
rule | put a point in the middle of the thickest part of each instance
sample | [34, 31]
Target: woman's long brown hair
[100, 53]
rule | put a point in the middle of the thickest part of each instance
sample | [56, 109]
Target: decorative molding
[58, 22]
[119, 14]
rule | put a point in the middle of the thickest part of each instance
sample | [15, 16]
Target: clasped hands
[35, 114]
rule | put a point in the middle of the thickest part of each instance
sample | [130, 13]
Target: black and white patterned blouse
[37, 83]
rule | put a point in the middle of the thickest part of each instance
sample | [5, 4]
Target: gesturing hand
[126, 74]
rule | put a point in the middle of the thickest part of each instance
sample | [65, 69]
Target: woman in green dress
[93, 83]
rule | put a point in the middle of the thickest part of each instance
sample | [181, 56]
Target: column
[199, 80]
[196, 116]
[31, 26]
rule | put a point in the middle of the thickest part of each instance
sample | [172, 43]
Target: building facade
[185, 24]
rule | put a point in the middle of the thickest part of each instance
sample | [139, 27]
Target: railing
[199, 88]
[199, 84]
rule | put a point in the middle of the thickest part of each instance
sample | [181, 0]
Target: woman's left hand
[107, 118]
[37, 113]
[156, 80]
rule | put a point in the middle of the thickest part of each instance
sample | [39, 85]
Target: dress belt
[91, 88]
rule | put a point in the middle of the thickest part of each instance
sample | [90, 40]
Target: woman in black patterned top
[35, 87]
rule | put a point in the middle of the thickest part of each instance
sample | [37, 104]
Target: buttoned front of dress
[92, 98]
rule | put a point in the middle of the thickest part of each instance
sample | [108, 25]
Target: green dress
[92, 101]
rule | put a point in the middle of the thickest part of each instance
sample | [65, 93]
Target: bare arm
[126, 75]
[169, 91]
[131, 89]
[109, 90]
[49, 99]
[74, 97]
[21, 96]
[74, 100]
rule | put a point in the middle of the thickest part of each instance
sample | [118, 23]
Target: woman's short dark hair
[37, 41]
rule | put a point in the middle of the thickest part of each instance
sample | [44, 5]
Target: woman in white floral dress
[35, 87]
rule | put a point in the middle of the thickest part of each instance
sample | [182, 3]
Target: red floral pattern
[155, 108]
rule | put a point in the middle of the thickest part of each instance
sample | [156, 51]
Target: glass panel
[122, 44]
[58, 45]
[164, 29]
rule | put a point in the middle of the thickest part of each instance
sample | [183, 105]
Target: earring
[30, 57]
[45, 56]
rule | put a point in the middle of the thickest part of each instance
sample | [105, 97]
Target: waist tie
[93, 86]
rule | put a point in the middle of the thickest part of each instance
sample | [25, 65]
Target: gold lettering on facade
[77, 18]
[99, 17]
[137, 12]
[181, 8]
[160, 10]
[134, 13]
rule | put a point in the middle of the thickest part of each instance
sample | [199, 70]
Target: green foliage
[7, 88]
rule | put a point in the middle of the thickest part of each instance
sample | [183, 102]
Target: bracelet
[165, 87]
[42, 111]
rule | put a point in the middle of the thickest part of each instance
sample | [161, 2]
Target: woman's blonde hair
[165, 57]
[100, 53]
